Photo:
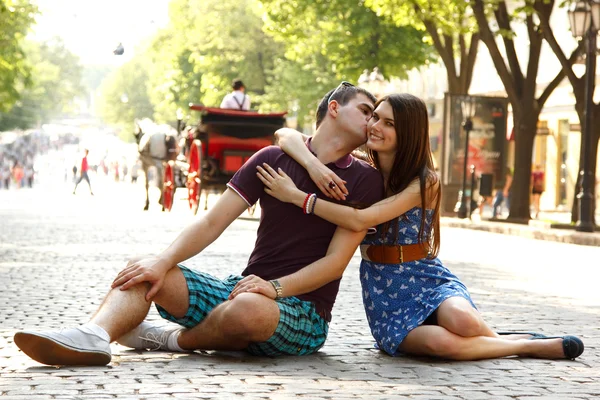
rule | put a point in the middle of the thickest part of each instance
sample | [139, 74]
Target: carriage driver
[238, 99]
[281, 303]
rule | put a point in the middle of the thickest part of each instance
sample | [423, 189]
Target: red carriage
[215, 149]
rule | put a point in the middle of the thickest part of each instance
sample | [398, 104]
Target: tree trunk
[525, 128]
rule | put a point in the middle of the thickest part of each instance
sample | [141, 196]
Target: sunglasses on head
[344, 84]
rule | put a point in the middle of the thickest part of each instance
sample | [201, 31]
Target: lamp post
[584, 18]
[468, 107]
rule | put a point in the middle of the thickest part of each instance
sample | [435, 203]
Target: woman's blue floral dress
[400, 297]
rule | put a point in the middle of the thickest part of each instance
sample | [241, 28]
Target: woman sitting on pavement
[413, 303]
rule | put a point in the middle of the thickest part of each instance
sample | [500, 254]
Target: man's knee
[174, 295]
[251, 316]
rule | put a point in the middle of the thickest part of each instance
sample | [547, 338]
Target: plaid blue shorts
[301, 330]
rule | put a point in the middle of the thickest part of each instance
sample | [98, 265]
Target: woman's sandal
[572, 345]
[534, 335]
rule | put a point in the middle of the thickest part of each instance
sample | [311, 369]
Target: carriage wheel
[194, 182]
[168, 187]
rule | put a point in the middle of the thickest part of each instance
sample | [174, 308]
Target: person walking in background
[537, 188]
[5, 175]
[504, 194]
[29, 172]
[17, 173]
[83, 173]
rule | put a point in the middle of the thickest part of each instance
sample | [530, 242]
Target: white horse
[155, 148]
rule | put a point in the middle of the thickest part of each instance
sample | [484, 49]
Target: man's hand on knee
[253, 284]
[151, 270]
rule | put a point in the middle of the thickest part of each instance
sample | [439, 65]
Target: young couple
[282, 302]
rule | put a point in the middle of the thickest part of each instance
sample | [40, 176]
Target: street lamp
[584, 18]
[468, 106]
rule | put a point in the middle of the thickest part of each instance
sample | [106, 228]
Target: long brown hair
[413, 160]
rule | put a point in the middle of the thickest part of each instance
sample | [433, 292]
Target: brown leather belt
[393, 254]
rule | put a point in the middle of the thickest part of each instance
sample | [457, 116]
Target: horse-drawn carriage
[211, 152]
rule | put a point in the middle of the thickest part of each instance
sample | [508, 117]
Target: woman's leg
[437, 341]
[457, 315]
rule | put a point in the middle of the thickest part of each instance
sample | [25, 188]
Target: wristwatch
[277, 287]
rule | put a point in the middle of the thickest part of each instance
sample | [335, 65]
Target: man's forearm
[312, 276]
[325, 270]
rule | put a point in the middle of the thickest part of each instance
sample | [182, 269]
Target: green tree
[55, 83]
[16, 17]
[495, 20]
[125, 96]
[450, 27]
[174, 78]
[206, 45]
[331, 40]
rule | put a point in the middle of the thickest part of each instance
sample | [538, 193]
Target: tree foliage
[125, 96]
[210, 43]
[55, 83]
[327, 41]
[450, 28]
[287, 53]
[16, 17]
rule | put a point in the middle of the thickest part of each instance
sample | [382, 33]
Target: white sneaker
[149, 336]
[73, 346]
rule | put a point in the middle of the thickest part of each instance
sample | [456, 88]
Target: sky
[92, 29]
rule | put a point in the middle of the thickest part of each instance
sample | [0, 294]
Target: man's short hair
[343, 95]
[237, 84]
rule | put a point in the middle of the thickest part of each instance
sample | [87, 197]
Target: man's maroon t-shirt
[287, 239]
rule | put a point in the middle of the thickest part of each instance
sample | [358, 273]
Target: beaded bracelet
[308, 205]
[304, 210]
[307, 208]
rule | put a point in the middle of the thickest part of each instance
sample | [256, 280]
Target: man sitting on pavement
[282, 302]
[238, 99]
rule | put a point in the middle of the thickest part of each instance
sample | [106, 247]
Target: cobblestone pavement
[59, 253]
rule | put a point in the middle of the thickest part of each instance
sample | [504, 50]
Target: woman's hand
[278, 184]
[152, 270]
[329, 183]
[254, 284]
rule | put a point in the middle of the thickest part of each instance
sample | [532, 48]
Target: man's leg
[119, 313]
[234, 324]
[213, 321]
[86, 177]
